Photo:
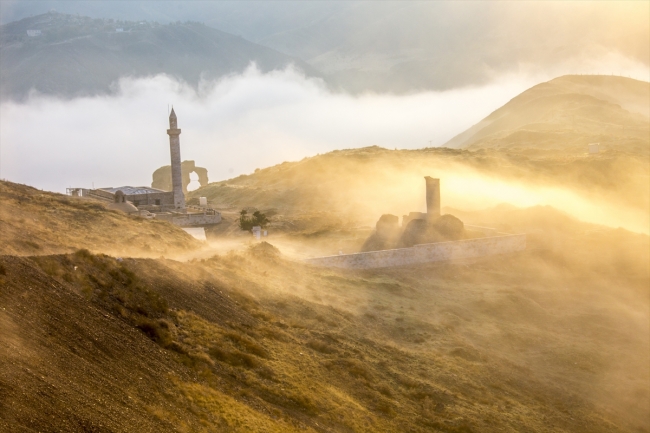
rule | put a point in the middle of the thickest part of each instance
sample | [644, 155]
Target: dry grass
[554, 339]
[39, 222]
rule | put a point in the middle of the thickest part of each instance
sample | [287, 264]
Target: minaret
[175, 150]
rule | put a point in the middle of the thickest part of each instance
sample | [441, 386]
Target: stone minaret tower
[433, 197]
[175, 150]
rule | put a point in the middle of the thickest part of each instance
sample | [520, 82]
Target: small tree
[257, 219]
[260, 219]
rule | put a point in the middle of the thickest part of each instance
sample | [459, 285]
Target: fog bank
[231, 126]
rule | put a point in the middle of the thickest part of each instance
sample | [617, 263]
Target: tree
[260, 219]
[257, 219]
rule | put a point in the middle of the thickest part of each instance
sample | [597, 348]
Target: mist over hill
[76, 55]
[567, 113]
[359, 185]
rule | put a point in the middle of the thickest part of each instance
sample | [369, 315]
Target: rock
[449, 227]
[420, 231]
[385, 235]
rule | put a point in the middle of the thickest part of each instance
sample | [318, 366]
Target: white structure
[594, 148]
[257, 231]
[203, 201]
[33, 33]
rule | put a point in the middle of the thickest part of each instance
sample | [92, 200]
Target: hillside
[568, 113]
[34, 222]
[358, 185]
[76, 55]
[255, 342]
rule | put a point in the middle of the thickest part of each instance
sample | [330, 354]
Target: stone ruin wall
[426, 253]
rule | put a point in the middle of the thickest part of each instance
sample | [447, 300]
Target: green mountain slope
[78, 55]
[568, 113]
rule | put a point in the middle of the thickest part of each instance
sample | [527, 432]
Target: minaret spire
[175, 151]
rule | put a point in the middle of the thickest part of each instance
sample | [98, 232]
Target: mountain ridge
[78, 56]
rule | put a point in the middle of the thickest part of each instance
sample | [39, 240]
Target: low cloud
[231, 126]
[252, 120]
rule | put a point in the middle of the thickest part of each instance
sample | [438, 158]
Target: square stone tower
[433, 197]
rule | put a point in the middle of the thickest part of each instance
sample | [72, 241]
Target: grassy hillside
[80, 56]
[566, 114]
[555, 339]
[38, 222]
[352, 187]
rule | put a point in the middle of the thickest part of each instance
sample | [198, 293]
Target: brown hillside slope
[555, 339]
[359, 185]
[40, 222]
[567, 113]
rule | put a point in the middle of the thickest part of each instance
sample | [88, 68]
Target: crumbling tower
[433, 197]
[175, 150]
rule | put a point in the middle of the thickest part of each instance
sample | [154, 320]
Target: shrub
[320, 346]
[247, 344]
[265, 372]
[356, 368]
[385, 390]
[84, 254]
[234, 357]
[385, 407]
[257, 219]
[157, 330]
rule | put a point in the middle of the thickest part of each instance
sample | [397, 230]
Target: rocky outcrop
[421, 231]
[162, 177]
[388, 234]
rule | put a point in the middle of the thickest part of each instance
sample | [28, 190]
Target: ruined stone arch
[162, 178]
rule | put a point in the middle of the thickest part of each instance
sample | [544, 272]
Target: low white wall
[196, 220]
[425, 253]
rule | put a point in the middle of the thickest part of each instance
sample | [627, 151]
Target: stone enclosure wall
[190, 219]
[425, 253]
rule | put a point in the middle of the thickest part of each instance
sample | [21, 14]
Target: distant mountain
[70, 55]
[568, 113]
[403, 47]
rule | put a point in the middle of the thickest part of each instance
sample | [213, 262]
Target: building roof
[133, 190]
